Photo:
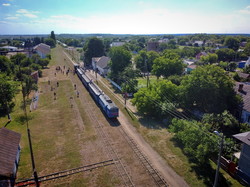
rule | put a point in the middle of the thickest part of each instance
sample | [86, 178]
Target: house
[9, 48]
[9, 156]
[35, 76]
[164, 40]
[101, 64]
[153, 46]
[247, 62]
[243, 89]
[218, 46]
[198, 43]
[243, 44]
[244, 158]
[42, 50]
[244, 76]
[117, 44]
[241, 64]
[199, 55]
[190, 68]
[188, 61]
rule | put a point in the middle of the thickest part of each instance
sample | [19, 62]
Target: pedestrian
[54, 95]
[55, 74]
[57, 84]
[48, 82]
[75, 86]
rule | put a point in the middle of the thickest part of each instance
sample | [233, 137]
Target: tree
[209, 89]
[28, 84]
[210, 58]
[51, 42]
[37, 41]
[225, 54]
[94, 48]
[5, 65]
[157, 100]
[247, 49]
[129, 81]
[232, 43]
[120, 59]
[224, 122]
[197, 144]
[169, 64]
[53, 36]
[7, 93]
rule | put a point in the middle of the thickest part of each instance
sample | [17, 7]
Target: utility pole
[125, 98]
[219, 156]
[146, 70]
[28, 132]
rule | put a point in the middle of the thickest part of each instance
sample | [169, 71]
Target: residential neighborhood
[125, 93]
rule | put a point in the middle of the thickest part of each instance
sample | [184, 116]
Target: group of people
[62, 70]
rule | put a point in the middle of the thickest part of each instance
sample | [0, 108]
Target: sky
[124, 16]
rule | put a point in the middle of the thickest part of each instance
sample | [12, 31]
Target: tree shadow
[21, 119]
[151, 122]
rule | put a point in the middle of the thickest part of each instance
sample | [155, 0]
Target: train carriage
[108, 106]
[95, 92]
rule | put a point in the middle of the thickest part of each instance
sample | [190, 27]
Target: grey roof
[244, 75]
[102, 62]
[43, 48]
[245, 94]
[244, 137]
[9, 142]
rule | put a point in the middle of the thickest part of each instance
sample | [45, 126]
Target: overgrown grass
[142, 82]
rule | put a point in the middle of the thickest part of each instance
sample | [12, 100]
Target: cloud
[26, 13]
[11, 18]
[246, 10]
[6, 4]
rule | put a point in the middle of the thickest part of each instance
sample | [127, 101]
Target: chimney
[240, 89]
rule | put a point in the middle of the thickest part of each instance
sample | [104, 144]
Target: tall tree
[53, 36]
[225, 54]
[50, 42]
[120, 59]
[169, 64]
[209, 89]
[7, 93]
[232, 43]
[5, 65]
[95, 48]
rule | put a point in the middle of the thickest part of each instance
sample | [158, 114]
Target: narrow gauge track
[65, 173]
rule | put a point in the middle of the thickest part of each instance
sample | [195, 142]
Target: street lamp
[218, 162]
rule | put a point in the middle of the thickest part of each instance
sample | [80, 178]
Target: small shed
[244, 161]
[9, 156]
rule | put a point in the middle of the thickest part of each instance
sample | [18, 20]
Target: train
[105, 103]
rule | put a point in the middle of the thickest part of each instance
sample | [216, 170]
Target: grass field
[59, 141]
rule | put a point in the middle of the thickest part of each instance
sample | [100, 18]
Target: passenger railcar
[106, 104]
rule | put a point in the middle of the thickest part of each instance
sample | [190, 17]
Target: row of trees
[15, 72]
[207, 89]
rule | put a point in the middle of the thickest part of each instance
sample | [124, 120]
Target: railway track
[65, 173]
[109, 148]
[158, 179]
